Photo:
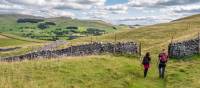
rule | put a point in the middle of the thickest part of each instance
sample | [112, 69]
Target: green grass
[105, 71]
[184, 73]
[9, 25]
[11, 42]
[153, 37]
[156, 37]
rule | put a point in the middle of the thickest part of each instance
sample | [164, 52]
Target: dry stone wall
[80, 50]
[185, 48]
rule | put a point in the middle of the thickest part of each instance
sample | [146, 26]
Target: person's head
[147, 54]
[163, 50]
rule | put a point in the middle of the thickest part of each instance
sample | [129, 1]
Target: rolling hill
[51, 28]
[22, 44]
[111, 71]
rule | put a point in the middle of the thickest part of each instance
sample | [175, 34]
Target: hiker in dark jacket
[146, 63]
[163, 58]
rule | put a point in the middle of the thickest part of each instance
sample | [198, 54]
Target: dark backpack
[145, 60]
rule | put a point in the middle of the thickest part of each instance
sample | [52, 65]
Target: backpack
[145, 60]
[163, 57]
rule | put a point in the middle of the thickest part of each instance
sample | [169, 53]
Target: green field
[10, 25]
[12, 41]
[110, 71]
[184, 73]
[105, 71]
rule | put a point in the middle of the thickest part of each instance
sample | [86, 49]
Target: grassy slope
[91, 72]
[156, 37]
[184, 73]
[8, 41]
[9, 25]
[111, 71]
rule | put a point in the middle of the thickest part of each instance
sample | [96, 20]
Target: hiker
[146, 63]
[163, 58]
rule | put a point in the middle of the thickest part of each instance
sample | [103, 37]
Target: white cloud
[143, 3]
[119, 8]
[159, 3]
[67, 4]
[185, 8]
[138, 18]
[133, 10]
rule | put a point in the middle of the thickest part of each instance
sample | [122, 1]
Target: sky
[129, 12]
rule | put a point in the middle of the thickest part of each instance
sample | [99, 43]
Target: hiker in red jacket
[146, 62]
[163, 58]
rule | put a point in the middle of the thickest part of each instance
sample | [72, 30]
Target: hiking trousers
[146, 67]
[161, 69]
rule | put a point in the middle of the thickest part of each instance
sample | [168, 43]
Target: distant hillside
[154, 38]
[158, 35]
[190, 18]
[27, 26]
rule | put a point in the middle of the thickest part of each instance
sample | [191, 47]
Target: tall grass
[105, 71]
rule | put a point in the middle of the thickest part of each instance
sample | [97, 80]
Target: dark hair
[147, 54]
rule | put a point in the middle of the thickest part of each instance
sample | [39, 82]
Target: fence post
[198, 43]
[71, 50]
[140, 49]
[91, 40]
[115, 43]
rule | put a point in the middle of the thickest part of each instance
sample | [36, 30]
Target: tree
[43, 26]
[95, 31]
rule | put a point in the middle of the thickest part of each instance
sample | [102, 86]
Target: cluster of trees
[72, 28]
[50, 23]
[95, 31]
[29, 20]
[45, 25]
[70, 32]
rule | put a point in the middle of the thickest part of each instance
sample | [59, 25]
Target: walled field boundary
[184, 48]
[81, 50]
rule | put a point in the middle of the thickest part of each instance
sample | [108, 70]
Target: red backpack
[163, 57]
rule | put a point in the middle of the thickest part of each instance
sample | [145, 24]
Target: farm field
[52, 28]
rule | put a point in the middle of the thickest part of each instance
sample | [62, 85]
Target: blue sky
[114, 11]
[112, 2]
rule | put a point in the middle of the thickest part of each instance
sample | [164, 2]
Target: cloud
[118, 8]
[59, 4]
[5, 6]
[142, 3]
[186, 9]
[176, 2]
[160, 3]
[141, 11]
[138, 18]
